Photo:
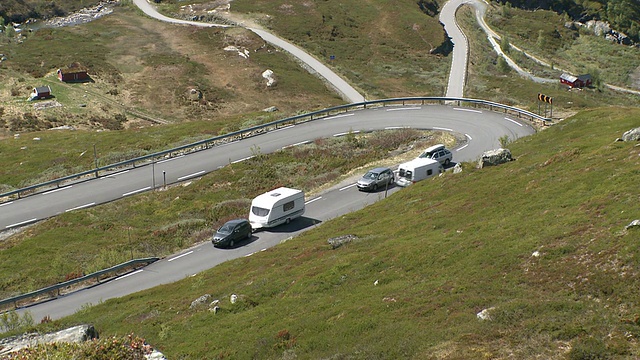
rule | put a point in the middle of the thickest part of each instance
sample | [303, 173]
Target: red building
[40, 92]
[73, 73]
[575, 81]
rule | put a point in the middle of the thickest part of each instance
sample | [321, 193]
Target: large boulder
[75, 334]
[631, 135]
[495, 157]
[202, 300]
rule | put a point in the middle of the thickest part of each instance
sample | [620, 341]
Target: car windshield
[258, 211]
[370, 175]
[225, 229]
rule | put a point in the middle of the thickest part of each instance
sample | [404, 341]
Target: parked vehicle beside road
[375, 179]
[275, 207]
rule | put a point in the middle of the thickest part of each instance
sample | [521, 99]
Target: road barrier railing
[263, 128]
[53, 291]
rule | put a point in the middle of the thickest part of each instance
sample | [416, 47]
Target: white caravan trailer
[276, 207]
[416, 170]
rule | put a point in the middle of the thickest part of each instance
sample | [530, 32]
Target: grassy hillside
[540, 241]
[382, 47]
[490, 78]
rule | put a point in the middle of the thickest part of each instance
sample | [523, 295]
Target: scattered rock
[485, 314]
[336, 242]
[242, 52]
[194, 94]
[457, 168]
[634, 223]
[75, 334]
[84, 15]
[536, 254]
[631, 135]
[268, 74]
[200, 301]
[63, 127]
[270, 109]
[233, 298]
[495, 157]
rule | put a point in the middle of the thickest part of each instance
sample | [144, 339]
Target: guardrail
[54, 290]
[256, 130]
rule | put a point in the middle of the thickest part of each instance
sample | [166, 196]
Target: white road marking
[8, 203]
[170, 159]
[181, 255]
[114, 175]
[338, 116]
[249, 254]
[396, 127]
[56, 190]
[80, 207]
[241, 160]
[407, 108]
[296, 144]
[440, 128]
[312, 200]
[513, 121]
[468, 136]
[345, 133]
[137, 191]
[462, 147]
[191, 175]
[21, 223]
[349, 186]
[470, 110]
[127, 275]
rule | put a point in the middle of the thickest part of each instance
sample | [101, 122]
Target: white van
[416, 170]
[276, 207]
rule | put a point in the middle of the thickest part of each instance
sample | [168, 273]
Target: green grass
[440, 256]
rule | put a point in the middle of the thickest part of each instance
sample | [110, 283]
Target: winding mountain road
[482, 130]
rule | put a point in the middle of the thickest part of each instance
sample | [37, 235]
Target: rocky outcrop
[75, 334]
[204, 299]
[631, 135]
[634, 223]
[495, 157]
[336, 242]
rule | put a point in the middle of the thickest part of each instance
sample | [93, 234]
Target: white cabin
[276, 207]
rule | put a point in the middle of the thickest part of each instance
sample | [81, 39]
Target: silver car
[439, 153]
[376, 179]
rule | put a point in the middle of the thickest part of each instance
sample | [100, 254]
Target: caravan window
[408, 174]
[258, 211]
[288, 206]
[429, 172]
